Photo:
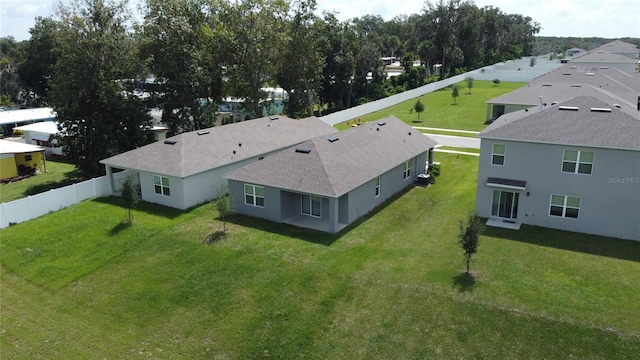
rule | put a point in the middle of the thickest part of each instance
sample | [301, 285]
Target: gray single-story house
[572, 166]
[186, 170]
[329, 182]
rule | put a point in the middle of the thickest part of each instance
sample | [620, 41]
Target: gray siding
[610, 196]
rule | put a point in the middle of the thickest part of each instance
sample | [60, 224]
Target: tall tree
[257, 34]
[97, 116]
[41, 57]
[301, 62]
[184, 43]
[11, 55]
[393, 43]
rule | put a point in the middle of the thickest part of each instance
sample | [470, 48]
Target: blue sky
[577, 18]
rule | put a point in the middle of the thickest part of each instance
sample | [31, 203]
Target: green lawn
[77, 284]
[58, 174]
[469, 114]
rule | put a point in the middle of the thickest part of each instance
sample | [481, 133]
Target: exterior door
[505, 204]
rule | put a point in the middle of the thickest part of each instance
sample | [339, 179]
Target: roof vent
[274, 118]
[576, 85]
[554, 103]
[617, 105]
[546, 84]
[203, 132]
[604, 67]
[573, 67]
[590, 74]
[170, 142]
[382, 123]
[600, 110]
[333, 138]
[572, 108]
[303, 150]
[566, 73]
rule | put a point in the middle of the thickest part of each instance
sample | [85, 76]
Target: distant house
[186, 170]
[10, 119]
[572, 166]
[328, 182]
[19, 159]
[42, 134]
[574, 52]
[608, 84]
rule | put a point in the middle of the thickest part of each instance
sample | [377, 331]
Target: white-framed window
[407, 170]
[378, 186]
[312, 205]
[498, 153]
[564, 206]
[254, 195]
[161, 185]
[577, 162]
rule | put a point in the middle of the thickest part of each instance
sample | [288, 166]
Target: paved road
[456, 141]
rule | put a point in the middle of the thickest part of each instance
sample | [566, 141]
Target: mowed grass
[58, 174]
[469, 113]
[78, 284]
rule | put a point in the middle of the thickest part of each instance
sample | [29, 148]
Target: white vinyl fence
[31, 207]
[510, 71]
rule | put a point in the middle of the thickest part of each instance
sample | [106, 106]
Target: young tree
[532, 61]
[455, 93]
[469, 81]
[418, 107]
[130, 196]
[469, 236]
[224, 206]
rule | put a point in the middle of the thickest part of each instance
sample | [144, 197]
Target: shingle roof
[332, 168]
[589, 125]
[203, 150]
[610, 85]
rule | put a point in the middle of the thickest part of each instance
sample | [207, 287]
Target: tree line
[88, 60]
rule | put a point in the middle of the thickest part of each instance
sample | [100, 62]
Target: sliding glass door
[505, 204]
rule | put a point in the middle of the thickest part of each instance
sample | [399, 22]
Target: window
[564, 206]
[28, 157]
[577, 162]
[378, 186]
[161, 185]
[312, 205]
[254, 195]
[407, 170]
[497, 155]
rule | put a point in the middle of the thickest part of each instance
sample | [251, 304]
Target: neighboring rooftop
[581, 121]
[332, 165]
[14, 147]
[45, 127]
[197, 151]
[18, 116]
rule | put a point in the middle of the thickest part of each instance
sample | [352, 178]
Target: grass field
[78, 284]
[440, 112]
[58, 174]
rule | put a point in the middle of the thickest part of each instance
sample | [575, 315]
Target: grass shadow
[464, 282]
[214, 237]
[118, 228]
[570, 241]
[143, 206]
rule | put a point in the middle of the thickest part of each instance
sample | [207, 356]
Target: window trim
[164, 190]
[253, 195]
[406, 173]
[577, 162]
[565, 206]
[494, 154]
[311, 200]
[378, 181]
